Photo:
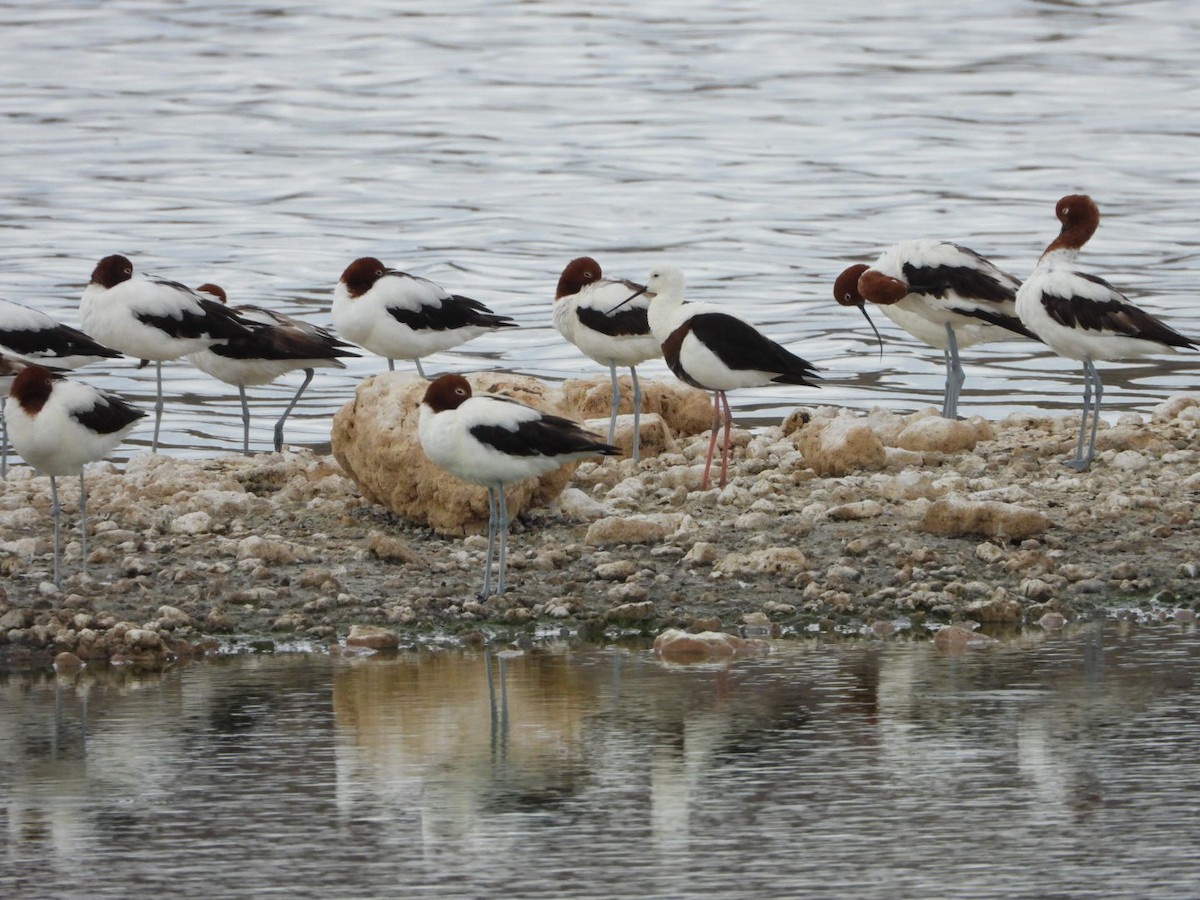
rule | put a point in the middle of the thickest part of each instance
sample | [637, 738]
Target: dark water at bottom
[1054, 765]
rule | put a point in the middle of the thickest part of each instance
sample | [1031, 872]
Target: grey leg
[245, 420]
[4, 438]
[56, 511]
[420, 369]
[83, 520]
[1080, 463]
[637, 415]
[1098, 387]
[955, 376]
[308, 377]
[158, 406]
[487, 565]
[391, 365]
[616, 401]
[503, 539]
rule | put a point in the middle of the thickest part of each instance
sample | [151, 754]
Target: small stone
[630, 530]
[775, 560]
[67, 662]
[935, 434]
[631, 612]
[1052, 621]
[173, 615]
[373, 637]
[863, 509]
[989, 552]
[702, 553]
[958, 517]
[616, 571]
[392, 549]
[955, 639]
[683, 646]
[198, 522]
[840, 446]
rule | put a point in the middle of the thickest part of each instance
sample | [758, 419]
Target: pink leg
[725, 443]
[712, 441]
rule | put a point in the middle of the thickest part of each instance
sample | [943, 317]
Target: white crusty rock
[649, 529]
[959, 517]
[685, 410]
[680, 646]
[935, 434]
[774, 560]
[840, 446]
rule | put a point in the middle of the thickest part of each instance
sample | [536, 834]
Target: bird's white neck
[662, 313]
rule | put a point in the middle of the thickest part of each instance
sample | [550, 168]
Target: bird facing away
[401, 316]
[58, 426]
[495, 441]
[715, 351]
[1081, 316]
[29, 335]
[152, 319]
[583, 304]
[275, 345]
[941, 293]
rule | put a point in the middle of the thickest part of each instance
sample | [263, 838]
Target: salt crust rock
[676, 645]
[1171, 408]
[933, 433]
[649, 529]
[198, 522]
[955, 639]
[686, 410]
[374, 637]
[956, 516]
[375, 440]
[775, 560]
[862, 509]
[656, 435]
[838, 447]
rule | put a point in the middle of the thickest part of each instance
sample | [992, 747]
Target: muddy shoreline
[188, 556]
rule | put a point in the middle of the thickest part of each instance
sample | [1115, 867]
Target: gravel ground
[192, 556]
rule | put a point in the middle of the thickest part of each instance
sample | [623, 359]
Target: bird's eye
[128, 271]
[379, 273]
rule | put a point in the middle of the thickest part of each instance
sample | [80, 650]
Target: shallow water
[761, 146]
[1051, 765]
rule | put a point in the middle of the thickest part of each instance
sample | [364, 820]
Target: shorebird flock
[942, 293]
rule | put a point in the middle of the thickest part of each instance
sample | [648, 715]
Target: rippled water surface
[1050, 766]
[762, 146]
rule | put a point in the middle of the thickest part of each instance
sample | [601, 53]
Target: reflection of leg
[955, 376]
[57, 513]
[637, 415]
[616, 401]
[503, 546]
[83, 520]
[1079, 463]
[308, 377]
[158, 406]
[728, 434]
[487, 565]
[712, 440]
